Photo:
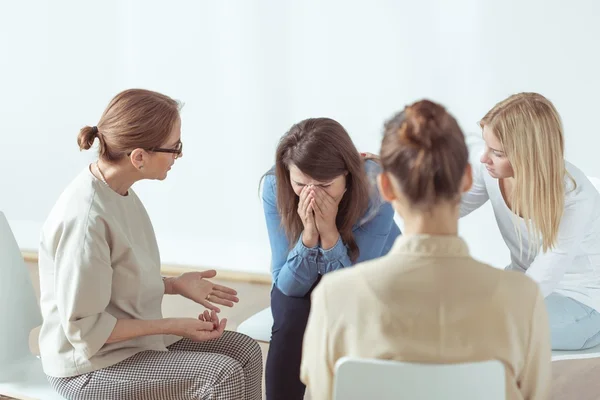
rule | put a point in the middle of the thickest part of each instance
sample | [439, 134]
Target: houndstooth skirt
[226, 368]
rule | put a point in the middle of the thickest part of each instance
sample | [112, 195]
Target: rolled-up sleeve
[83, 285]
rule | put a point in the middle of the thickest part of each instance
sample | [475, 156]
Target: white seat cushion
[258, 326]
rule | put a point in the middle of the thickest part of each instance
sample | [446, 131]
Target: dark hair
[134, 118]
[424, 149]
[322, 149]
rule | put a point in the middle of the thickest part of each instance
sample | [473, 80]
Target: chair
[21, 373]
[357, 378]
[258, 326]
[595, 181]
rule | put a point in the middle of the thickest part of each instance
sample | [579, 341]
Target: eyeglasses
[177, 151]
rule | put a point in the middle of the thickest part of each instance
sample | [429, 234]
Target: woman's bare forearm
[127, 329]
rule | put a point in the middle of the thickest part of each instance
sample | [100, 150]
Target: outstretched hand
[195, 286]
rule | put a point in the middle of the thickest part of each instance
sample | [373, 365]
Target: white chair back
[21, 374]
[357, 378]
[595, 181]
[19, 311]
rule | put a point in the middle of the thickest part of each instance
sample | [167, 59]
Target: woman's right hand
[206, 327]
[310, 236]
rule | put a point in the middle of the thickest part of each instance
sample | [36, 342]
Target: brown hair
[134, 118]
[424, 149]
[322, 149]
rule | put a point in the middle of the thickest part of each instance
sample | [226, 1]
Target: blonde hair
[531, 133]
[134, 118]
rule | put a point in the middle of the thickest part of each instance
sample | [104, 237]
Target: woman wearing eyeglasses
[103, 335]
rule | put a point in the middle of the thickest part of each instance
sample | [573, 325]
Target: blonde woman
[547, 210]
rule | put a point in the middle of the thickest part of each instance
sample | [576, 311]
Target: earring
[141, 166]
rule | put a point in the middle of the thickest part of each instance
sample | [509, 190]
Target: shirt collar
[430, 245]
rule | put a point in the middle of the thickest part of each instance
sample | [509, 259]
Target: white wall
[247, 70]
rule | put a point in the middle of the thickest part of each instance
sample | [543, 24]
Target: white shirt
[99, 262]
[572, 266]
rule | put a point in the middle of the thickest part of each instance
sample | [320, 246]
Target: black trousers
[282, 374]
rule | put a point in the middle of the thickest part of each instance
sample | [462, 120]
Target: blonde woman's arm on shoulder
[317, 368]
[477, 195]
[535, 378]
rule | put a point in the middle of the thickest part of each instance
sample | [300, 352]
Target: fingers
[315, 206]
[210, 329]
[323, 197]
[219, 297]
[223, 302]
[211, 273]
[222, 326]
[225, 289]
[308, 197]
[318, 196]
[225, 296]
[302, 202]
[214, 318]
[204, 325]
[311, 208]
[321, 204]
[209, 317]
[304, 207]
[209, 305]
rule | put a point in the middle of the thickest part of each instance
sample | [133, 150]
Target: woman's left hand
[196, 287]
[326, 209]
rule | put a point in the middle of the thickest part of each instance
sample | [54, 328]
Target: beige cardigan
[429, 301]
[99, 262]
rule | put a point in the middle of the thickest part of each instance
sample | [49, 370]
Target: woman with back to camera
[428, 300]
[323, 213]
[547, 210]
[103, 334]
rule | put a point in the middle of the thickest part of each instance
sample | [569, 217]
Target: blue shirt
[296, 270]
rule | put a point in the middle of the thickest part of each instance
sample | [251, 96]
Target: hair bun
[424, 148]
[86, 137]
[421, 126]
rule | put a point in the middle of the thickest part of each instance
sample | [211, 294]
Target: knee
[233, 371]
[229, 382]
[251, 351]
[290, 314]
